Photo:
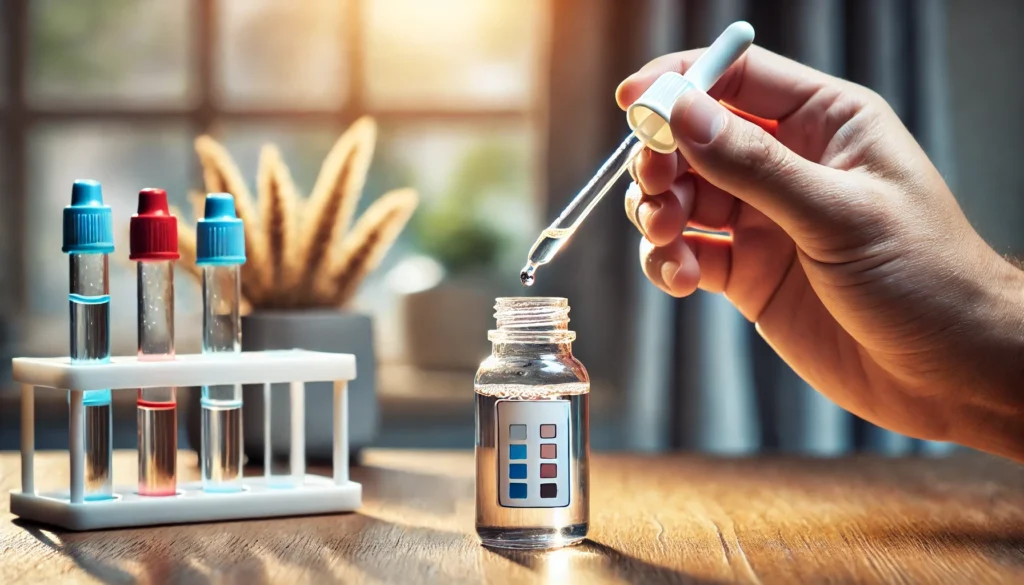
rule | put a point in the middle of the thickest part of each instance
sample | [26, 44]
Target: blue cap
[88, 224]
[220, 239]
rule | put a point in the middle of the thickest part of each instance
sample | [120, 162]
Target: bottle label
[533, 453]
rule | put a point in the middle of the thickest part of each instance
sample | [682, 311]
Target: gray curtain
[696, 375]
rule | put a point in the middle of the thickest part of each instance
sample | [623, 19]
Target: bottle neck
[532, 321]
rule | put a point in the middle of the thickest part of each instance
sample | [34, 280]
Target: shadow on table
[342, 548]
[592, 557]
[320, 549]
[95, 565]
[325, 550]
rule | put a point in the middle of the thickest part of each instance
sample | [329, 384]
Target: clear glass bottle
[532, 430]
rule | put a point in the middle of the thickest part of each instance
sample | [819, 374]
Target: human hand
[844, 246]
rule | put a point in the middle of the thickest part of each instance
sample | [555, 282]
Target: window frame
[18, 116]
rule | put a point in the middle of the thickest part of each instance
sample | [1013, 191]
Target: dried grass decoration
[302, 254]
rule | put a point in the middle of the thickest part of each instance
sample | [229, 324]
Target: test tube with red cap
[154, 245]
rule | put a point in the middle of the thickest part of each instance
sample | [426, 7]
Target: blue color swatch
[517, 451]
[517, 491]
[517, 471]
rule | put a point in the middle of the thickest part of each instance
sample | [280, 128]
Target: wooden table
[679, 519]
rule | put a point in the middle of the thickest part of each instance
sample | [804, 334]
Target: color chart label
[533, 453]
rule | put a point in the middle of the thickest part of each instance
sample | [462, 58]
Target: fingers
[760, 82]
[672, 268]
[690, 201]
[689, 261]
[660, 218]
[713, 208]
[714, 258]
[655, 171]
[711, 262]
[678, 262]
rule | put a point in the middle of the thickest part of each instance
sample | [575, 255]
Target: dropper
[648, 118]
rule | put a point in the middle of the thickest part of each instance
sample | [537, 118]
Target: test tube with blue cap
[88, 240]
[154, 245]
[220, 251]
[648, 118]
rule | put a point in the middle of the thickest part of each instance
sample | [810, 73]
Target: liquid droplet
[527, 277]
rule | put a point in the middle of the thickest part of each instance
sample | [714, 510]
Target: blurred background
[496, 111]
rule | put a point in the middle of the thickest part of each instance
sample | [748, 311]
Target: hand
[844, 246]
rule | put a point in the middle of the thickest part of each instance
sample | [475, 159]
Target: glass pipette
[649, 118]
[557, 234]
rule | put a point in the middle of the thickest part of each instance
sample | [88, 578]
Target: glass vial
[220, 252]
[157, 408]
[90, 343]
[532, 430]
[88, 239]
[222, 457]
[154, 246]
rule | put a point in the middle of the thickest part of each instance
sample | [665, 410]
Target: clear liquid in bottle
[539, 527]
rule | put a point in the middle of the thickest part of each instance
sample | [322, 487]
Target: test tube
[220, 251]
[154, 245]
[88, 239]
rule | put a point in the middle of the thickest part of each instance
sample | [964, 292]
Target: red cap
[154, 231]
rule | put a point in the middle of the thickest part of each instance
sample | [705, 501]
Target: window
[116, 90]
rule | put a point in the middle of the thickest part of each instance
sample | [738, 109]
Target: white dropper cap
[649, 115]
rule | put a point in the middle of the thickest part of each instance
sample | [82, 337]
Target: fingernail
[632, 203]
[668, 273]
[624, 82]
[644, 159]
[645, 212]
[702, 119]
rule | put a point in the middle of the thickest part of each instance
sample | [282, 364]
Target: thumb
[742, 159]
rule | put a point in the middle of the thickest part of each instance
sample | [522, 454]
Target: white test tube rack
[261, 496]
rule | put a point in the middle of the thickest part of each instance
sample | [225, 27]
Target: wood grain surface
[665, 519]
